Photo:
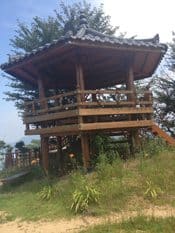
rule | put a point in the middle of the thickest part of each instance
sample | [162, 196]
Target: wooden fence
[21, 160]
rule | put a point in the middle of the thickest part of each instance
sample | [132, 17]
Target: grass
[122, 185]
[139, 224]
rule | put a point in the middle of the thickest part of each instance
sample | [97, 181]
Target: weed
[152, 190]
[83, 198]
[47, 193]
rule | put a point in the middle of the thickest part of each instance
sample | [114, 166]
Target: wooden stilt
[45, 153]
[131, 144]
[85, 151]
[134, 134]
[60, 152]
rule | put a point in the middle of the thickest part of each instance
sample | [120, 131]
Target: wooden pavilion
[87, 66]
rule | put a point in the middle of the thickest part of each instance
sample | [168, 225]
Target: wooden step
[163, 134]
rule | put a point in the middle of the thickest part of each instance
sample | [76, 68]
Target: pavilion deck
[88, 110]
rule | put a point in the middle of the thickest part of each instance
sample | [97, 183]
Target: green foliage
[152, 191]
[21, 146]
[41, 31]
[2, 148]
[48, 192]
[34, 145]
[165, 103]
[82, 198]
[152, 146]
[66, 18]
[113, 187]
[107, 169]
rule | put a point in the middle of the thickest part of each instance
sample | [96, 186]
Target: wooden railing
[18, 159]
[88, 99]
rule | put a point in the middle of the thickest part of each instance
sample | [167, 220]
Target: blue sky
[11, 127]
[137, 17]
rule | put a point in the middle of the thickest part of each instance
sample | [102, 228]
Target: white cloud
[143, 18]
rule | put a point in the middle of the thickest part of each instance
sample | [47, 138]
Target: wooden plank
[116, 125]
[53, 97]
[115, 91]
[52, 109]
[53, 116]
[114, 111]
[68, 129]
[41, 90]
[170, 140]
[103, 103]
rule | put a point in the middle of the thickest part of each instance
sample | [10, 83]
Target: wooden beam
[63, 129]
[51, 116]
[20, 73]
[116, 125]
[42, 55]
[41, 89]
[114, 111]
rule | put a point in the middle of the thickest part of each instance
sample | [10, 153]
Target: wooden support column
[41, 89]
[80, 86]
[85, 151]
[80, 77]
[41, 93]
[130, 83]
[134, 133]
[60, 153]
[45, 153]
[84, 137]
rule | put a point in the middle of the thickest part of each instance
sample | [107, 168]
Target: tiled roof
[87, 34]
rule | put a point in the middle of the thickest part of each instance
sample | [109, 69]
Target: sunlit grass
[122, 186]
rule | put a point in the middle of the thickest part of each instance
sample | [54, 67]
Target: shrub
[83, 198]
[48, 192]
[152, 147]
[152, 190]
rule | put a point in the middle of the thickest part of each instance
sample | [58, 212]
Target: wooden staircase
[158, 131]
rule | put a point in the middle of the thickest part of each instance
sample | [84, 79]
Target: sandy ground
[78, 223]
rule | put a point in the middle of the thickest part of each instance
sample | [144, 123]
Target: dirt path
[77, 223]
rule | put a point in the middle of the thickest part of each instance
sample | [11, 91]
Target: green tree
[42, 31]
[21, 146]
[164, 90]
[165, 104]
[2, 146]
[34, 144]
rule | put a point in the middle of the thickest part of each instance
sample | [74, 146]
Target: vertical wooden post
[134, 133]
[85, 151]
[60, 154]
[80, 77]
[41, 88]
[130, 83]
[84, 137]
[41, 93]
[45, 153]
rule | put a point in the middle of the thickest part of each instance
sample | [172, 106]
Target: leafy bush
[152, 147]
[48, 192]
[152, 191]
[83, 198]
[107, 169]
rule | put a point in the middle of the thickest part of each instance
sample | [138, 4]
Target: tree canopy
[41, 31]
[165, 92]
